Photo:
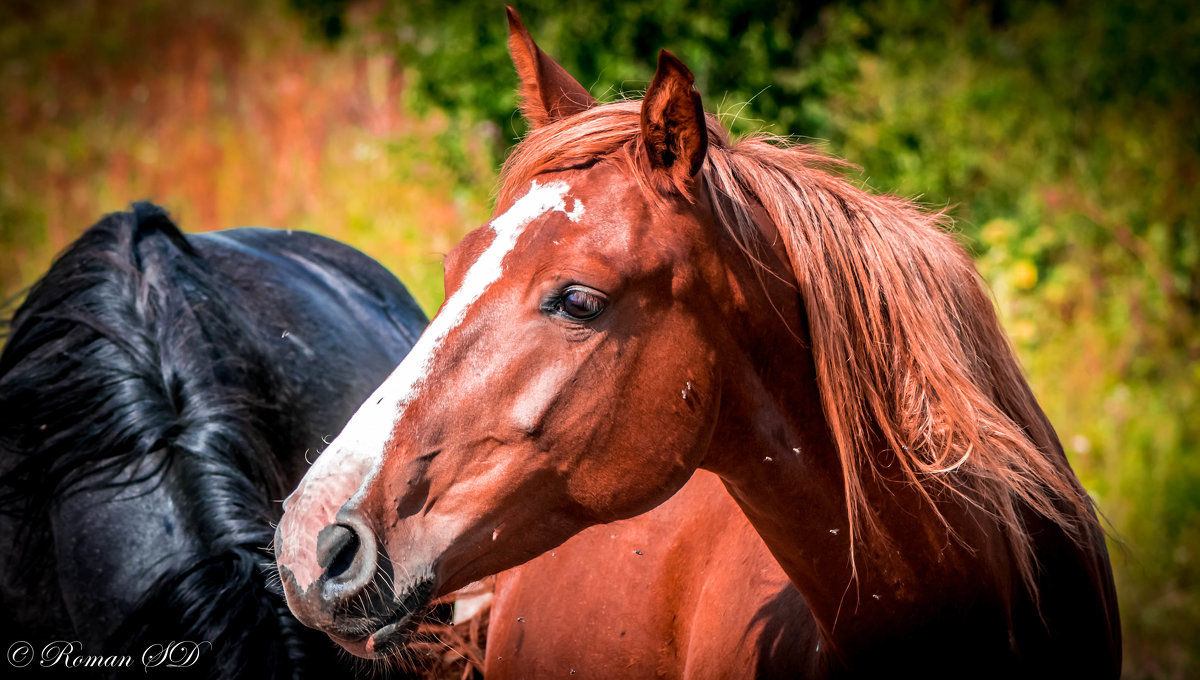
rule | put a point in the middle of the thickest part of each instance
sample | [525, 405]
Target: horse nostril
[337, 546]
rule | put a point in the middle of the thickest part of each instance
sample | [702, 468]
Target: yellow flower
[1024, 274]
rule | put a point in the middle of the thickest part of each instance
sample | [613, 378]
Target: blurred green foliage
[458, 51]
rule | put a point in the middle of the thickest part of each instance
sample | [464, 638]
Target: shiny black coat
[159, 394]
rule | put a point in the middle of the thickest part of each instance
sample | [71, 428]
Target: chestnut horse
[722, 607]
[653, 298]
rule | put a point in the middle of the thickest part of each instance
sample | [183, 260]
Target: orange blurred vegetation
[226, 115]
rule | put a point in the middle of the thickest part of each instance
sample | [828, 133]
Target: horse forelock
[909, 353]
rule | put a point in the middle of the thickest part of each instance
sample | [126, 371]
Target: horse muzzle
[346, 587]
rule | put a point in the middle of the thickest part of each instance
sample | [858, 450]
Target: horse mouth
[392, 635]
[393, 630]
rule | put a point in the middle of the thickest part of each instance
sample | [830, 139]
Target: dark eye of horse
[581, 304]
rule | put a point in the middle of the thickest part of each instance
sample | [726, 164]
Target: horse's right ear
[548, 92]
[674, 130]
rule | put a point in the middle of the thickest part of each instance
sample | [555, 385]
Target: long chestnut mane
[914, 371]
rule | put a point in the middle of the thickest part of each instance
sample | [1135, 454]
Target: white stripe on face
[362, 443]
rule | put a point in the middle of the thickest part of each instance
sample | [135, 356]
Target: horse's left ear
[548, 92]
[673, 127]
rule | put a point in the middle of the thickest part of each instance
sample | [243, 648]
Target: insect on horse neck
[653, 298]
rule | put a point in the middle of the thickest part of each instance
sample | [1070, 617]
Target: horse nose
[346, 553]
[337, 549]
[325, 572]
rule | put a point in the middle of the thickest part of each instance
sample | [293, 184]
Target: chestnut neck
[774, 450]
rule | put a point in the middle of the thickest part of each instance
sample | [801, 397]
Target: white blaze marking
[538, 395]
[363, 441]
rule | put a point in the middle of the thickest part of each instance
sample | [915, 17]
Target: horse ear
[548, 92]
[673, 127]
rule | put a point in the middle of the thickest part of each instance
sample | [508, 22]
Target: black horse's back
[158, 392]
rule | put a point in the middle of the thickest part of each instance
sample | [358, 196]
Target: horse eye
[581, 304]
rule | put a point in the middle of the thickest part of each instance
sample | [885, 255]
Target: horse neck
[774, 450]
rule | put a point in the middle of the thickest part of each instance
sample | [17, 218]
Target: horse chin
[388, 641]
[394, 629]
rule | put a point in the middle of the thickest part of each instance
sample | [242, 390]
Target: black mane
[130, 349]
[129, 327]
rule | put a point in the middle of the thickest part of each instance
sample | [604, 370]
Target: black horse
[158, 395]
